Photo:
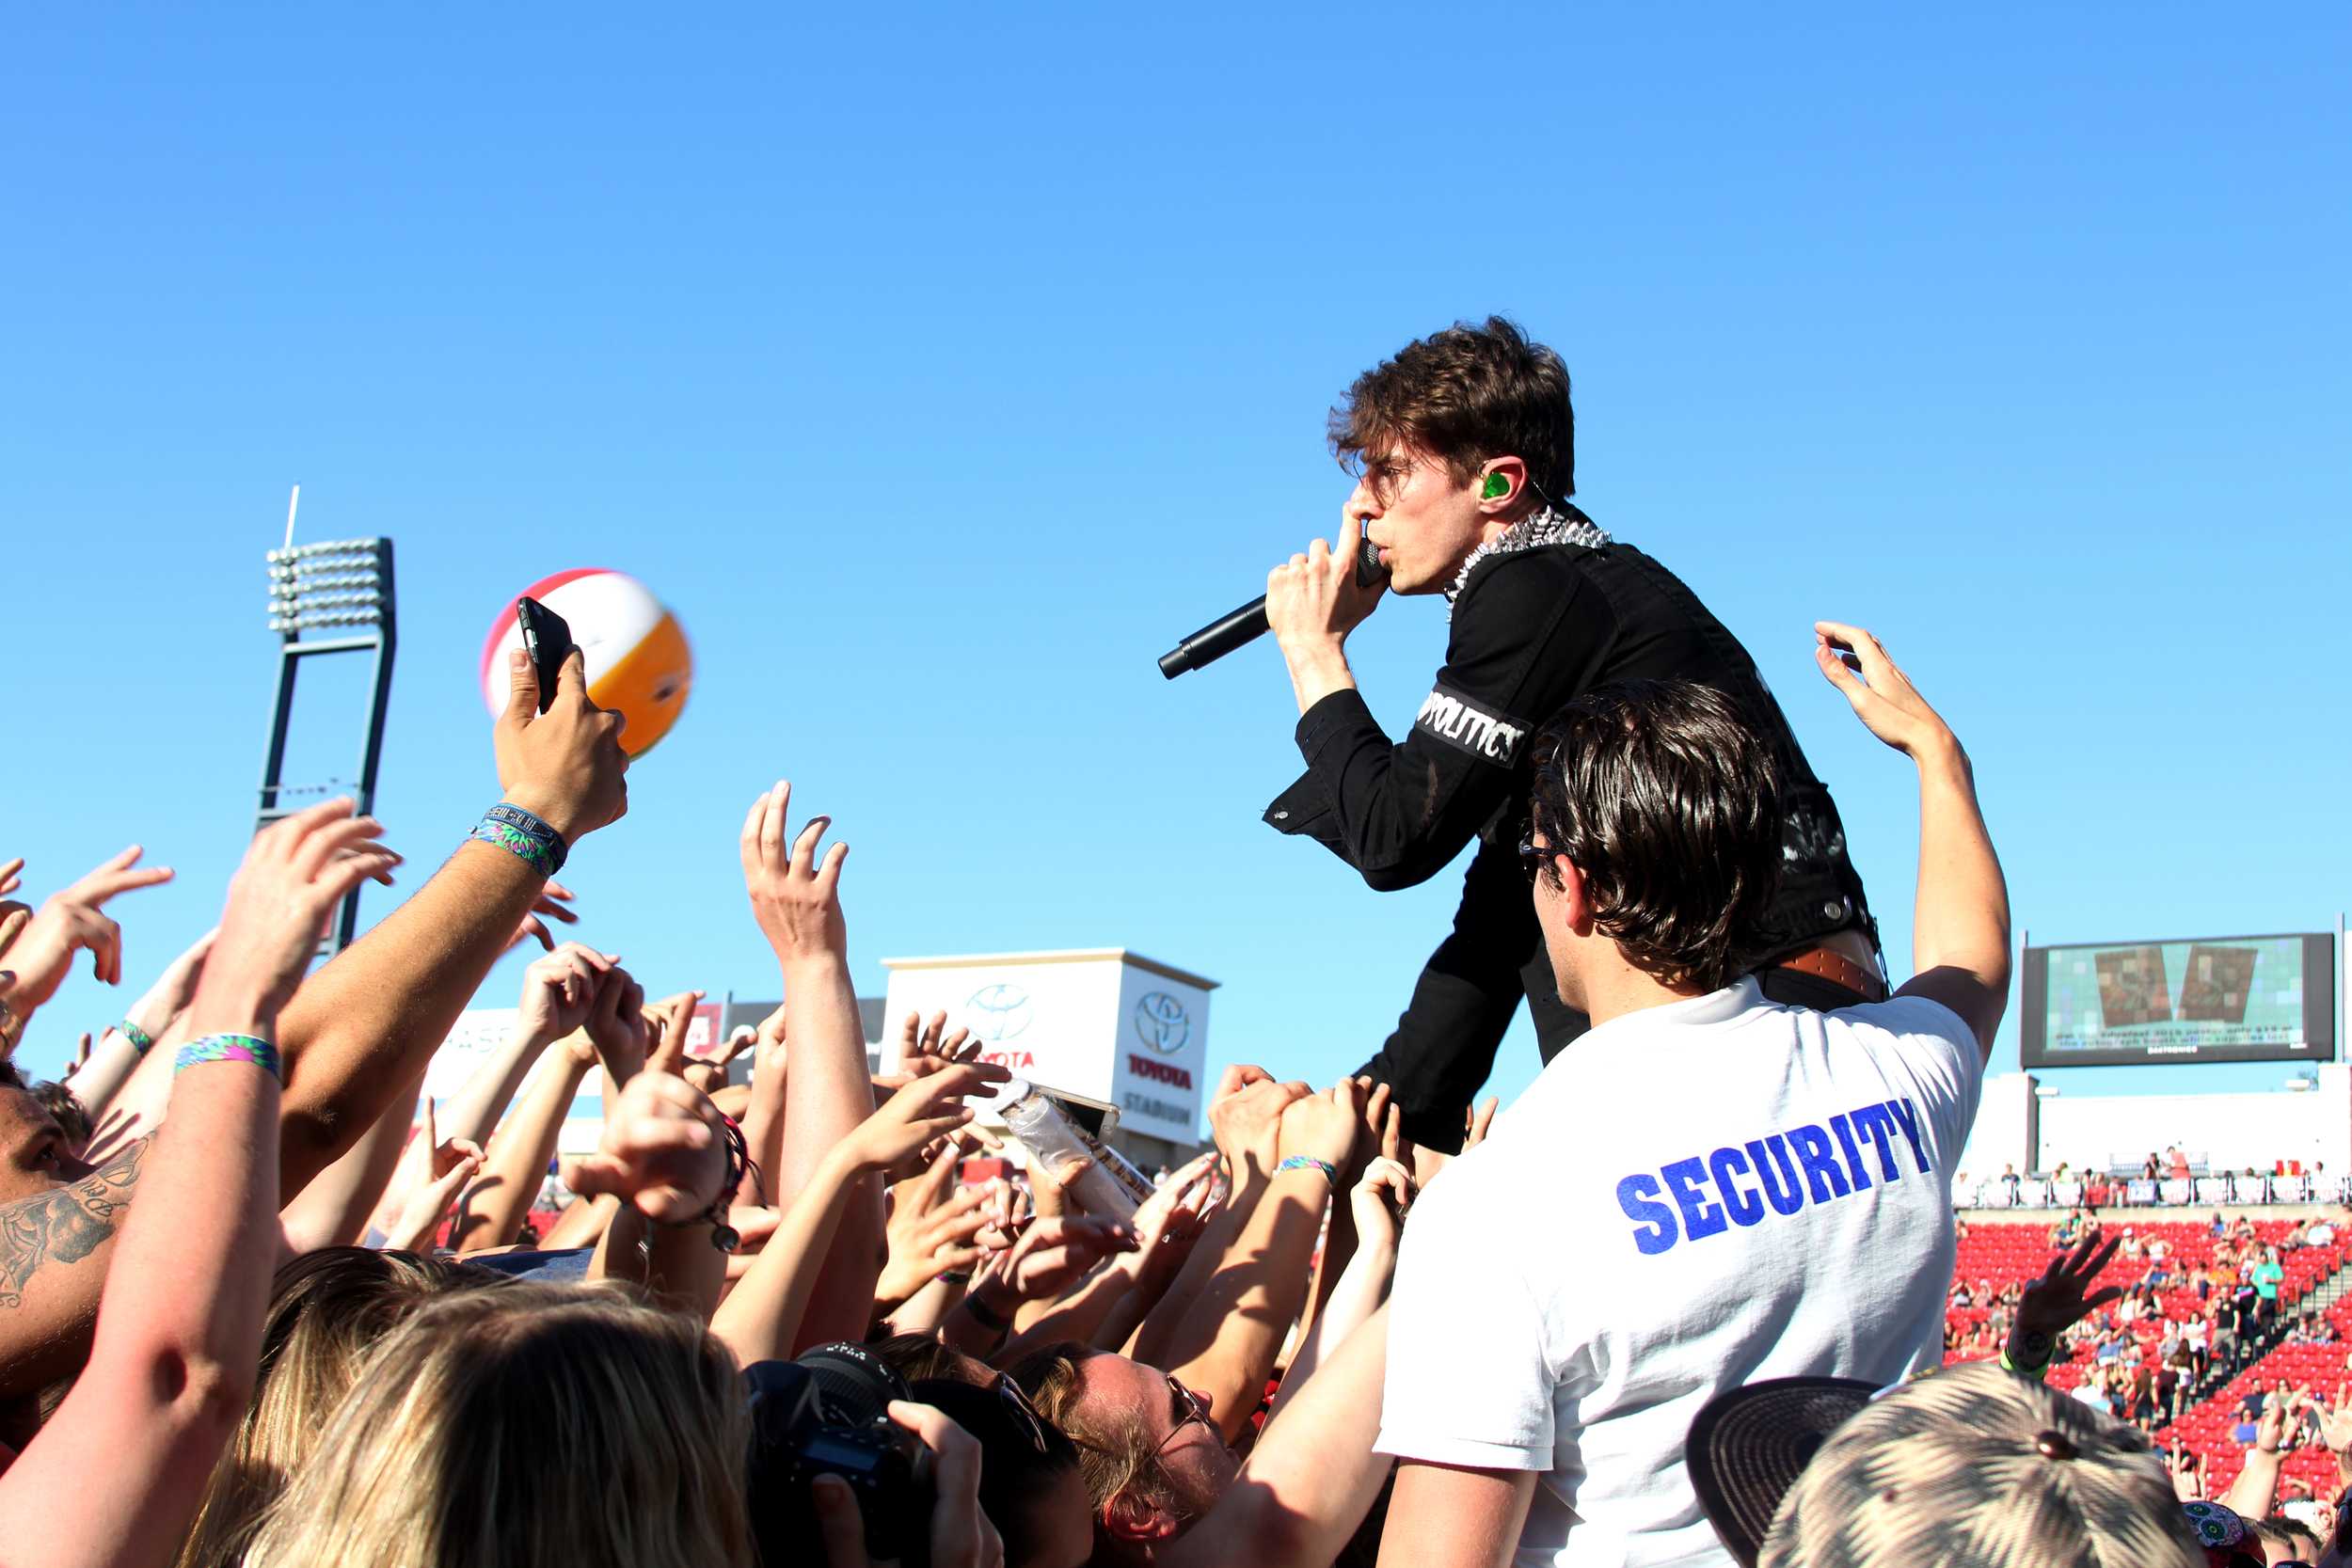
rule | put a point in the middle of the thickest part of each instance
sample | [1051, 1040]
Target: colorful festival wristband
[1308, 1162]
[140, 1039]
[524, 836]
[228, 1047]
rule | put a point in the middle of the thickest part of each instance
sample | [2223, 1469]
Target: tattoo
[66, 1225]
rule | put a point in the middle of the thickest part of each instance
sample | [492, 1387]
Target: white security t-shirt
[1688, 1198]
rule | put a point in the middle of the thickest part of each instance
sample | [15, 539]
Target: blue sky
[941, 366]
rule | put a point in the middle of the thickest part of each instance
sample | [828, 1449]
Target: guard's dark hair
[1463, 395]
[1663, 795]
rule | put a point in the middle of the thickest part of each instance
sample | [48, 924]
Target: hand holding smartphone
[547, 638]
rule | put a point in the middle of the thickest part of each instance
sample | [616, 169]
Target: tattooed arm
[54, 1252]
[179, 1337]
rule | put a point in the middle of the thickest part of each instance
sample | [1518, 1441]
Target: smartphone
[548, 639]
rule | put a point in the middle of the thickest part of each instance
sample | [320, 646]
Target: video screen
[2218, 999]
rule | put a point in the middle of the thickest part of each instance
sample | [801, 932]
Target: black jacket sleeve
[1528, 632]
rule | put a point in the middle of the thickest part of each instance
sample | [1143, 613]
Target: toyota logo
[998, 1012]
[1162, 1023]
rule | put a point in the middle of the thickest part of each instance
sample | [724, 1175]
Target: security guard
[1464, 445]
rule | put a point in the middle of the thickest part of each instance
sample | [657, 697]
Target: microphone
[1235, 627]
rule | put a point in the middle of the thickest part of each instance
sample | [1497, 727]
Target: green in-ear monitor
[1496, 486]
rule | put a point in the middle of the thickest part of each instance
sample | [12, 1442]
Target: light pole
[331, 597]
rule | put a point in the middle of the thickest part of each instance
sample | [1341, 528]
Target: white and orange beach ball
[635, 650]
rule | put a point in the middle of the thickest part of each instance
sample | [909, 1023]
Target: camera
[827, 1413]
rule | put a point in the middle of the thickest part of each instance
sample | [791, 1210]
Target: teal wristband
[228, 1047]
[1308, 1162]
[140, 1039]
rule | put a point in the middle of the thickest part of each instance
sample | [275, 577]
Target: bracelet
[985, 1315]
[524, 836]
[1308, 1162]
[723, 1235]
[228, 1047]
[2036, 1373]
[140, 1039]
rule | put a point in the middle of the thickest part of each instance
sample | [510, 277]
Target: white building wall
[2004, 1111]
[2231, 1130]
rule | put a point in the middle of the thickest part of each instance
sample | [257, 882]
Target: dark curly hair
[1463, 395]
[1662, 794]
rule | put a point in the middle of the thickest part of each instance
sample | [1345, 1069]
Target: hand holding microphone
[1325, 590]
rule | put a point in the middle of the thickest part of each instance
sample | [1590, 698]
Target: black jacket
[1532, 629]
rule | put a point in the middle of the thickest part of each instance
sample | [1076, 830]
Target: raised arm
[99, 1078]
[1960, 925]
[491, 1214]
[357, 1034]
[1312, 1477]
[796, 902]
[180, 1329]
[1228, 1345]
[764, 1319]
[369, 1020]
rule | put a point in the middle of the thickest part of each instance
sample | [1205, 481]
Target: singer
[1463, 447]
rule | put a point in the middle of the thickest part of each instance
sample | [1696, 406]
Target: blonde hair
[536, 1426]
[327, 1312]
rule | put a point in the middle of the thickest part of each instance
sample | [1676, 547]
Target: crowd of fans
[259, 1306]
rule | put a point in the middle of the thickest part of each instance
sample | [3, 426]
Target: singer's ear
[1501, 485]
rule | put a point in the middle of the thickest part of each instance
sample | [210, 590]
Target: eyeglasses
[1534, 857]
[1023, 1411]
[1186, 1407]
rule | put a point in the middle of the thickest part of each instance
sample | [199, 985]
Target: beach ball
[636, 653]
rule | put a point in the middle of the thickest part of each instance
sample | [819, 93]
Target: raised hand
[1245, 1115]
[1052, 1254]
[1325, 1126]
[667, 1023]
[1378, 1202]
[1477, 1121]
[617, 1025]
[2335, 1422]
[930, 1107]
[1172, 1220]
[2057, 1301]
[1884, 699]
[795, 898]
[68, 922]
[554, 903]
[927, 1239]
[560, 991]
[14, 916]
[430, 1176]
[930, 1044]
[663, 1150]
[295, 872]
[565, 765]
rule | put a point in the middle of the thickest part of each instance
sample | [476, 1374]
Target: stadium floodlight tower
[331, 597]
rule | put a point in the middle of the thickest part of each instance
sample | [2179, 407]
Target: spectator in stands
[2221, 1226]
[2176, 1164]
[2095, 1391]
[2150, 1169]
[2097, 1193]
[2133, 1248]
[1559, 1424]
[2009, 1179]
[2068, 1229]
[2196, 1338]
[2266, 1276]
[2320, 1233]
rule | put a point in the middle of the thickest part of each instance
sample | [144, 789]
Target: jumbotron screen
[2215, 999]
